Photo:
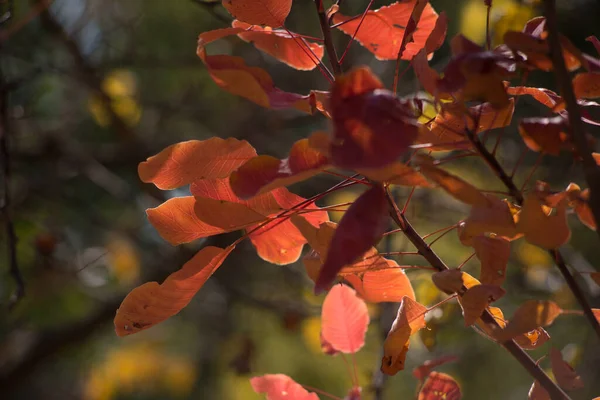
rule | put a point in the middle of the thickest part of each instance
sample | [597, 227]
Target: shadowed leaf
[565, 375]
[530, 315]
[493, 253]
[422, 371]
[440, 386]
[477, 299]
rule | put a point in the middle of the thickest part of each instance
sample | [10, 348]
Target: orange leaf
[544, 96]
[183, 163]
[152, 303]
[425, 369]
[596, 312]
[440, 386]
[382, 30]
[493, 253]
[529, 316]
[533, 339]
[453, 185]
[426, 75]
[587, 85]
[279, 386]
[565, 375]
[410, 319]
[541, 228]
[286, 47]
[361, 226]
[344, 319]
[383, 285]
[259, 12]
[263, 173]
[496, 218]
[372, 127]
[176, 221]
[477, 299]
[583, 210]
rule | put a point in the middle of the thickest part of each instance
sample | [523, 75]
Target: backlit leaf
[498, 218]
[259, 12]
[533, 339]
[397, 174]
[529, 316]
[440, 386]
[541, 226]
[279, 386]
[382, 285]
[286, 47]
[152, 303]
[452, 280]
[493, 253]
[361, 226]
[477, 299]
[382, 30]
[183, 163]
[410, 319]
[176, 221]
[544, 96]
[565, 375]
[344, 319]
[372, 127]
[263, 173]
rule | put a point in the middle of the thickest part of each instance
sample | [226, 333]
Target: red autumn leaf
[543, 96]
[529, 316]
[475, 74]
[438, 35]
[423, 370]
[396, 174]
[344, 320]
[410, 319]
[285, 46]
[411, 25]
[177, 223]
[476, 299]
[440, 386]
[259, 12]
[533, 339]
[263, 173]
[545, 134]
[453, 185]
[426, 75]
[587, 85]
[372, 127]
[493, 253]
[183, 163]
[152, 303]
[565, 375]
[382, 285]
[361, 226]
[583, 210]
[280, 242]
[382, 30]
[253, 83]
[280, 387]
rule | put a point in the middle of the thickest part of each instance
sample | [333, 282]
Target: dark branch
[590, 169]
[513, 348]
[327, 39]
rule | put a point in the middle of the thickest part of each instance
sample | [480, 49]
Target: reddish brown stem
[327, 39]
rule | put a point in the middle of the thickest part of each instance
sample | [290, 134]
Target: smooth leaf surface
[382, 30]
[361, 226]
[564, 373]
[183, 163]
[344, 319]
[540, 226]
[152, 303]
[529, 316]
[382, 285]
[259, 12]
[477, 299]
[281, 387]
[493, 253]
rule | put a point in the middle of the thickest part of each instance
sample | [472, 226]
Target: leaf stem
[513, 348]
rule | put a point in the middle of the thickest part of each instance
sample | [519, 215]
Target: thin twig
[11, 236]
[327, 39]
[555, 254]
[517, 352]
[590, 169]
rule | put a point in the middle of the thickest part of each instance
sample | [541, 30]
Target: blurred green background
[84, 242]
